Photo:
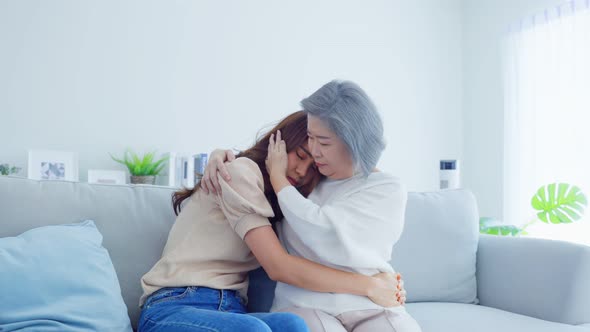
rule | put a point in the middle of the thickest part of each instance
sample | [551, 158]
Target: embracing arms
[296, 271]
[243, 202]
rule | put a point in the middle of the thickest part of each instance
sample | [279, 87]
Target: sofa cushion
[59, 278]
[459, 317]
[436, 253]
[133, 219]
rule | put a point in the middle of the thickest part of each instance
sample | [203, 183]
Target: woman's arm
[300, 272]
[280, 266]
[247, 210]
[355, 230]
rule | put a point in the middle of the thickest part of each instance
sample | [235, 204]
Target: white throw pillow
[436, 253]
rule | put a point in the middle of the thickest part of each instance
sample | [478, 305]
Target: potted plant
[144, 168]
[5, 169]
[555, 203]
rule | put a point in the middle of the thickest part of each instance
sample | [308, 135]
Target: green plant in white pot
[143, 168]
[555, 203]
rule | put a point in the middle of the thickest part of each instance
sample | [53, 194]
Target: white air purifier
[449, 174]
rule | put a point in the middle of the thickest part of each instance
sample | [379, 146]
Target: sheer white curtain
[546, 114]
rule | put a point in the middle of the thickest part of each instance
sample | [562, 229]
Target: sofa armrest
[541, 278]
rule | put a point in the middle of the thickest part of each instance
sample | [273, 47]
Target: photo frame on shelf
[53, 165]
[106, 176]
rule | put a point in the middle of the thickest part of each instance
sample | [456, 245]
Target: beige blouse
[205, 246]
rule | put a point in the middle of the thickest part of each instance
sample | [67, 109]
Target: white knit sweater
[348, 224]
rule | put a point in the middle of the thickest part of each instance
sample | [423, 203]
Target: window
[546, 119]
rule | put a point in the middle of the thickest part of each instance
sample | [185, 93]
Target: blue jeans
[211, 310]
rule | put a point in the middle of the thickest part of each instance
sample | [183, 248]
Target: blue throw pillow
[59, 278]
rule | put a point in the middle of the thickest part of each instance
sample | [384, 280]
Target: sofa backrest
[436, 253]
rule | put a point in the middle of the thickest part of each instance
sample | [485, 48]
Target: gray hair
[347, 110]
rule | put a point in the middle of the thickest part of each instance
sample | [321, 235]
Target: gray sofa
[456, 280]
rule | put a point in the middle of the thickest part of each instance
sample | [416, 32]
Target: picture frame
[53, 165]
[101, 176]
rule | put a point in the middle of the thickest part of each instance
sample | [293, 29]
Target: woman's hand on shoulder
[217, 158]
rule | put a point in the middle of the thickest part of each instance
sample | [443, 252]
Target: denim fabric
[212, 310]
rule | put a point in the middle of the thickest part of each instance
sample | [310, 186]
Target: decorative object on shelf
[555, 203]
[53, 165]
[185, 170]
[194, 168]
[106, 176]
[449, 174]
[142, 179]
[143, 168]
[175, 169]
[6, 169]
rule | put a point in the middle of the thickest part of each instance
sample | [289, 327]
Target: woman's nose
[302, 169]
[315, 152]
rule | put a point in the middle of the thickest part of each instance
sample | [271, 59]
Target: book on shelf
[186, 170]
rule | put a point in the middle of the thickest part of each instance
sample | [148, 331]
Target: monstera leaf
[559, 203]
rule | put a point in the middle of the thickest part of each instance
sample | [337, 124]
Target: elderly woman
[350, 221]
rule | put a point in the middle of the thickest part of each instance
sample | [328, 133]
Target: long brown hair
[294, 132]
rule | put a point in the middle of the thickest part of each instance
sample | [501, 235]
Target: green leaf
[559, 203]
[139, 165]
[542, 216]
[536, 203]
[493, 226]
[485, 222]
[502, 230]
[576, 212]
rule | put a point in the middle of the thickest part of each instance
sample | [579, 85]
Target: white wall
[97, 77]
[485, 23]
